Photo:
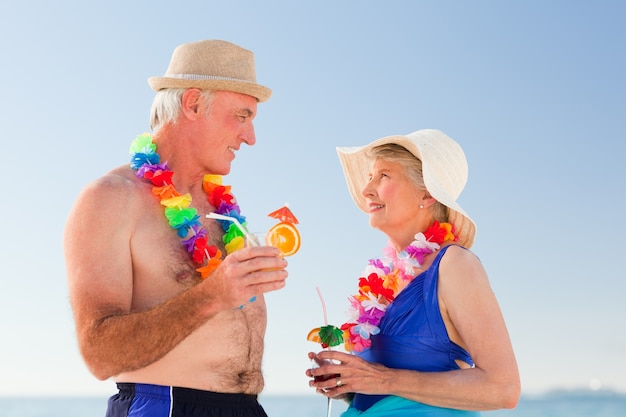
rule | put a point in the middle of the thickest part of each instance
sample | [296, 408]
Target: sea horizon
[554, 403]
[525, 394]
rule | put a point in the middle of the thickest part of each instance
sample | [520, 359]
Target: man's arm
[112, 338]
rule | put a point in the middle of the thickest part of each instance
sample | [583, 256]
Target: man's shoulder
[120, 179]
[112, 202]
[118, 186]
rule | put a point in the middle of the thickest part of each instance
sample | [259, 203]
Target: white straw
[248, 236]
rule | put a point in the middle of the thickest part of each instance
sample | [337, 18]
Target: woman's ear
[428, 200]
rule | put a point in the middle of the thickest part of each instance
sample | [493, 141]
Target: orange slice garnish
[314, 335]
[285, 237]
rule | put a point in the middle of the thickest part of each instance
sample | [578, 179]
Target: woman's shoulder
[460, 263]
[456, 251]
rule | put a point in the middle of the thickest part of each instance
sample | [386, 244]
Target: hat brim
[261, 93]
[356, 168]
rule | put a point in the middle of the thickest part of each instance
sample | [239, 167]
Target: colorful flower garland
[180, 215]
[380, 284]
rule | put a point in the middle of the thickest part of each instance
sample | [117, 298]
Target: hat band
[196, 77]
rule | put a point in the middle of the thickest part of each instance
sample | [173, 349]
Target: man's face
[226, 125]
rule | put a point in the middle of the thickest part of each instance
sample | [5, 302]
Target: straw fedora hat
[212, 65]
[443, 165]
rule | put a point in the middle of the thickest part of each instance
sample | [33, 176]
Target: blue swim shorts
[144, 400]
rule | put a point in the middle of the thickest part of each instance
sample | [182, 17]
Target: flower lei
[178, 211]
[382, 281]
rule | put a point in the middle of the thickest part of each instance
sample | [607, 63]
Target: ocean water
[557, 404]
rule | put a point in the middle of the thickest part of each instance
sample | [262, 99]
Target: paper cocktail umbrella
[284, 215]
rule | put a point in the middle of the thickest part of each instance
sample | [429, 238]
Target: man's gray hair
[166, 106]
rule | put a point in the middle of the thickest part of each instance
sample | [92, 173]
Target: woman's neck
[406, 235]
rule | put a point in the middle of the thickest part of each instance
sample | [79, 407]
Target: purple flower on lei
[141, 171]
[417, 253]
[372, 316]
[198, 232]
[378, 264]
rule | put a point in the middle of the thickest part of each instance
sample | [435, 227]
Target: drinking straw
[249, 237]
[319, 292]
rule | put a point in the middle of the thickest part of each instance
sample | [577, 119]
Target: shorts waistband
[188, 395]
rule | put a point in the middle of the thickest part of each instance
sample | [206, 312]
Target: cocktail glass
[325, 377]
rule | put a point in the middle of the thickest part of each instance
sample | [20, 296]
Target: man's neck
[172, 147]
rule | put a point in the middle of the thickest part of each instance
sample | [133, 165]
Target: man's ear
[190, 103]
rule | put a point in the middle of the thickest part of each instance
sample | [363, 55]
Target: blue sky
[534, 91]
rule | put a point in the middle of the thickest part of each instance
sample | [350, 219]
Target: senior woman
[426, 335]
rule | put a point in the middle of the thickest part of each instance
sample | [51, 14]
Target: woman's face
[392, 199]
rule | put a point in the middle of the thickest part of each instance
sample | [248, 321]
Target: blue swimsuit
[413, 336]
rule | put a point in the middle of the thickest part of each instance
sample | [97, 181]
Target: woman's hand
[340, 374]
